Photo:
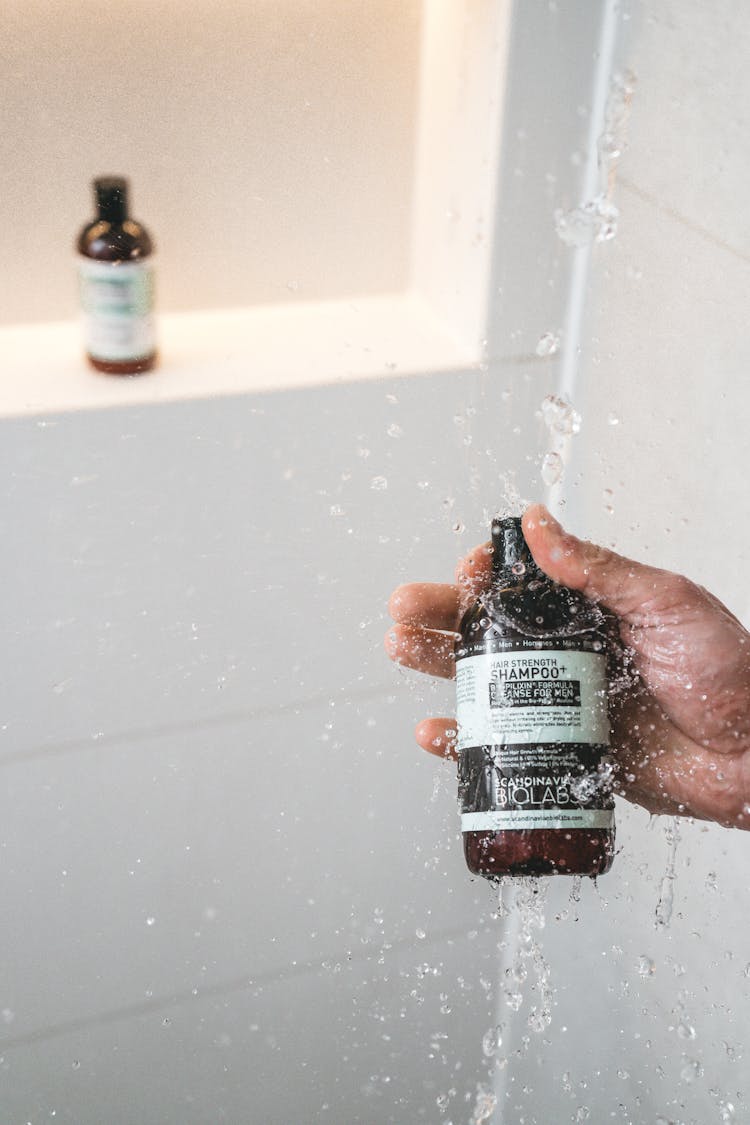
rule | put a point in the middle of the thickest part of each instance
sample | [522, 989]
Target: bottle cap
[111, 194]
[511, 557]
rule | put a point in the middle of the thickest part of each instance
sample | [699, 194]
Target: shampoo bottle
[533, 731]
[116, 277]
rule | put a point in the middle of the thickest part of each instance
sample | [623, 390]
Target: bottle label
[532, 696]
[532, 735]
[117, 299]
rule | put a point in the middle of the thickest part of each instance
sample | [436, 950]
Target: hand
[680, 726]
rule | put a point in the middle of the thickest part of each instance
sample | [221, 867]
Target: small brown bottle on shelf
[116, 277]
[533, 732]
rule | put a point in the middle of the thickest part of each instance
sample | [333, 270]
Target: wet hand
[681, 727]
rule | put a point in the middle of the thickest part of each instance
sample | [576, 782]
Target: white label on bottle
[545, 695]
[117, 299]
[498, 820]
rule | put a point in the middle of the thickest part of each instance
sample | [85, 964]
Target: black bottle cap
[512, 560]
[111, 194]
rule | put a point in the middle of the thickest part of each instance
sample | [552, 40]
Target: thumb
[635, 592]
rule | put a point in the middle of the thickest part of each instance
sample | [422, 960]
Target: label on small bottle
[117, 299]
[532, 734]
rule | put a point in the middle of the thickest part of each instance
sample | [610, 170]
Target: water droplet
[518, 568]
[458, 528]
[76, 1064]
[379, 483]
[150, 920]
[548, 344]
[484, 1106]
[559, 416]
[686, 1031]
[420, 934]
[646, 967]
[584, 788]
[394, 430]
[613, 419]
[492, 1041]
[691, 1070]
[552, 467]
[665, 905]
[594, 221]
[514, 1000]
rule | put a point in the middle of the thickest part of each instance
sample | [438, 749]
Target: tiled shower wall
[233, 886]
[651, 1022]
[233, 889]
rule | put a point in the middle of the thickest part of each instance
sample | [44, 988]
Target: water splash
[593, 221]
[561, 421]
[492, 1041]
[549, 344]
[484, 1106]
[611, 143]
[552, 467]
[596, 219]
[529, 900]
[559, 416]
[665, 904]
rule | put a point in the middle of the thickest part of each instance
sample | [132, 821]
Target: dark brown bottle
[116, 277]
[533, 731]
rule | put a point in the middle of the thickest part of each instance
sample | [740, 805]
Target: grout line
[244, 983]
[578, 287]
[671, 213]
[580, 269]
[211, 722]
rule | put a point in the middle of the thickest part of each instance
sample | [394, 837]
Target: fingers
[473, 574]
[428, 614]
[422, 649]
[641, 595]
[437, 736]
[434, 605]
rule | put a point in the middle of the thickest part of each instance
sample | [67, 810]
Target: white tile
[626, 993]
[198, 559]
[373, 1041]
[667, 360]
[687, 134]
[148, 868]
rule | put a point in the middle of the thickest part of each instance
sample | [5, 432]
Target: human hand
[680, 726]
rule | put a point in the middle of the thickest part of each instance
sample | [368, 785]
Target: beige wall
[225, 116]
